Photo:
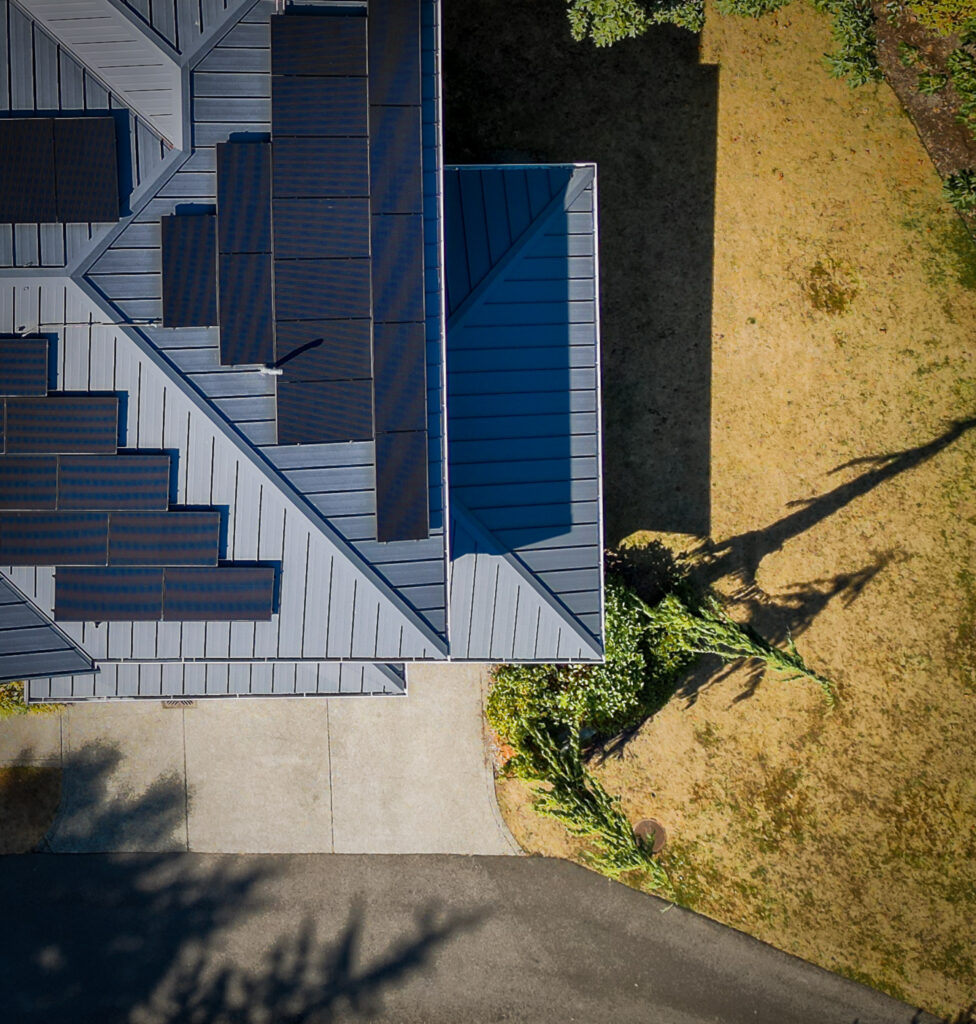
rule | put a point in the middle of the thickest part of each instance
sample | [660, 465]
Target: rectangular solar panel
[323, 349]
[113, 482]
[244, 196]
[63, 424]
[189, 251]
[320, 167]
[401, 486]
[23, 365]
[400, 378]
[226, 593]
[319, 44]
[163, 538]
[321, 228]
[244, 292]
[53, 538]
[315, 107]
[321, 289]
[28, 481]
[28, 192]
[108, 595]
[86, 169]
[314, 412]
[394, 51]
[398, 267]
[395, 164]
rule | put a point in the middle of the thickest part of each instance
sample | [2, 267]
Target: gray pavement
[185, 938]
[345, 775]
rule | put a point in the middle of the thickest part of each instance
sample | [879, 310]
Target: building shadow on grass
[518, 89]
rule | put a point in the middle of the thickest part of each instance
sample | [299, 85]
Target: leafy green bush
[960, 190]
[12, 702]
[961, 65]
[944, 16]
[606, 22]
[856, 56]
[931, 82]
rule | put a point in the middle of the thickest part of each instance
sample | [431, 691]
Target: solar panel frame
[53, 538]
[345, 352]
[322, 289]
[28, 189]
[398, 267]
[319, 44]
[400, 377]
[23, 364]
[28, 481]
[62, 424]
[164, 538]
[319, 167]
[114, 482]
[320, 412]
[108, 594]
[86, 167]
[226, 593]
[394, 51]
[316, 107]
[395, 159]
[402, 500]
[320, 228]
[244, 306]
[189, 264]
[243, 197]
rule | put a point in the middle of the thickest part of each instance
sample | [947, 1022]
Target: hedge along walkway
[843, 309]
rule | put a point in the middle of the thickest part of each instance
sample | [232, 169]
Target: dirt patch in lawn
[29, 799]
[790, 383]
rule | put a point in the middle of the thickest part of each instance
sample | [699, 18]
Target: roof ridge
[261, 462]
[581, 177]
[476, 526]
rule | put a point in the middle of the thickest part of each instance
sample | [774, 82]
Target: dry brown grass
[29, 799]
[843, 315]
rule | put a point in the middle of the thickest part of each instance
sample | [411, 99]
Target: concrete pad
[258, 776]
[31, 739]
[411, 775]
[123, 785]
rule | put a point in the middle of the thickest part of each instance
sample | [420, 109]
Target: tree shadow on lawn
[142, 938]
[518, 89]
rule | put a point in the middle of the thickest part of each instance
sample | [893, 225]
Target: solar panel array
[320, 246]
[189, 256]
[69, 498]
[58, 170]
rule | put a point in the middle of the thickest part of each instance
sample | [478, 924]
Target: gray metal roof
[524, 399]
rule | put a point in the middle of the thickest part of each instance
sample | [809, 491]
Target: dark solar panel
[53, 538]
[318, 106]
[311, 412]
[320, 167]
[86, 169]
[28, 481]
[163, 538]
[321, 289]
[225, 594]
[315, 228]
[108, 595]
[395, 165]
[244, 197]
[394, 51]
[401, 486]
[27, 180]
[398, 267]
[23, 365]
[189, 270]
[323, 349]
[62, 424]
[318, 44]
[400, 379]
[114, 482]
[245, 308]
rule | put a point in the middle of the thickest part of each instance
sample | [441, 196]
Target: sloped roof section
[31, 644]
[524, 401]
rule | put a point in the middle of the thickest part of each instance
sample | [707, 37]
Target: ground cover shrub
[12, 702]
[852, 25]
[960, 190]
[606, 22]
[944, 16]
[961, 65]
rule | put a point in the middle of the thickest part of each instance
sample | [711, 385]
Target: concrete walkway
[344, 775]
